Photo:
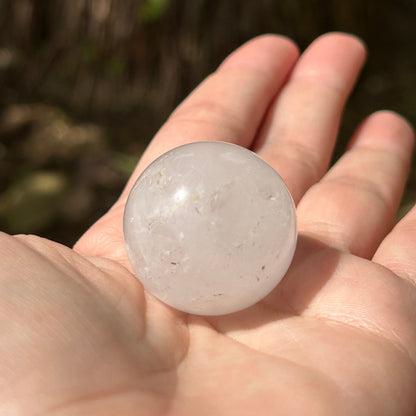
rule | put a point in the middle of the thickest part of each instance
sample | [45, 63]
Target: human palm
[80, 335]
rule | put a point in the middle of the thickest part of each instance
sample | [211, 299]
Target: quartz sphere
[210, 228]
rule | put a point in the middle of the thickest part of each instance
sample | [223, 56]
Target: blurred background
[85, 84]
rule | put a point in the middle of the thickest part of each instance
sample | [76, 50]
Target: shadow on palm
[311, 268]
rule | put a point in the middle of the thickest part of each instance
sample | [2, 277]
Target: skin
[80, 336]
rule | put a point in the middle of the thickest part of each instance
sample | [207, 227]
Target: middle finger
[301, 127]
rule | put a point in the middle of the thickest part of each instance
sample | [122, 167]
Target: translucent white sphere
[210, 228]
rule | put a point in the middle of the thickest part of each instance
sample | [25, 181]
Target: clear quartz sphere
[210, 228]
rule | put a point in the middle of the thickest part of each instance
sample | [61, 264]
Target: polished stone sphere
[210, 228]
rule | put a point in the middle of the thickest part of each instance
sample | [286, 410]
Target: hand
[80, 336]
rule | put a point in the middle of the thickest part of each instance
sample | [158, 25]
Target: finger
[397, 251]
[228, 106]
[354, 206]
[336, 287]
[301, 127]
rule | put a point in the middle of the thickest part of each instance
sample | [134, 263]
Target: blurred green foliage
[152, 10]
[116, 66]
[89, 52]
[32, 202]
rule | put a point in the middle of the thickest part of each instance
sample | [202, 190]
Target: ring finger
[354, 206]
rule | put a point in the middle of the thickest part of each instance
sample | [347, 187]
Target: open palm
[80, 336]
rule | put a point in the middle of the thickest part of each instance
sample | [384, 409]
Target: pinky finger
[397, 251]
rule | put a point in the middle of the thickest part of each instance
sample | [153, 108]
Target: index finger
[228, 106]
